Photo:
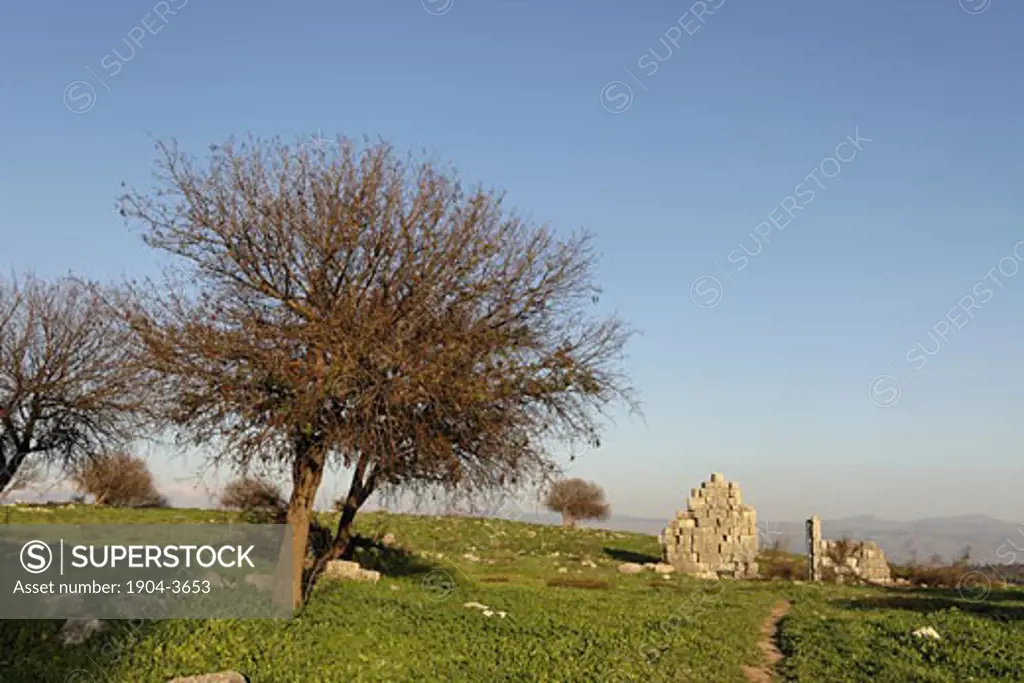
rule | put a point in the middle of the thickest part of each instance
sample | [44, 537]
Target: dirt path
[767, 643]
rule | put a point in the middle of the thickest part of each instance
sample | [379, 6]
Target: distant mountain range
[991, 541]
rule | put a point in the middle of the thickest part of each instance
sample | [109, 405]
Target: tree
[252, 493]
[118, 479]
[576, 500]
[70, 384]
[343, 306]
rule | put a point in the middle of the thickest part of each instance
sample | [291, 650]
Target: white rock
[563, 570]
[77, 631]
[476, 605]
[630, 568]
[927, 632]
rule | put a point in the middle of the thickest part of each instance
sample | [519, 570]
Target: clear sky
[686, 137]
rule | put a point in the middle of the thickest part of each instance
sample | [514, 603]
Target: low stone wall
[844, 560]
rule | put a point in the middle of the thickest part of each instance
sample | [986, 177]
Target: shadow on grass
[993, 605]
[630, 556]
[33, 650]
[389, 560]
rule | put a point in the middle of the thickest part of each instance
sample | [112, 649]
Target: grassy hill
[569, 615]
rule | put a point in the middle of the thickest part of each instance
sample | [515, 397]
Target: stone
[344, 570]
[630, 568]
[77, 631]
[927, 632]
[845, 560]
[389, 539]
[213, 578]
[717, 533]
[222, 677]
[563, 570]
[662, 568]
[261, 581]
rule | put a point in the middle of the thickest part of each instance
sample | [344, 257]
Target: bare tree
[119, 479]
[345, 307]
[70, 385]
[577, 500]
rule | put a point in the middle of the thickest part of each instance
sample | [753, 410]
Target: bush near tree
[252, 493]
[577, 500]
[118, 479]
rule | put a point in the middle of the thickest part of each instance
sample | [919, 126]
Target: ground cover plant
[545, 604]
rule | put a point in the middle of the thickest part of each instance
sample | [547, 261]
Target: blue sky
[676, 165]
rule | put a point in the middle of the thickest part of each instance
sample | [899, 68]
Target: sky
[811, 212]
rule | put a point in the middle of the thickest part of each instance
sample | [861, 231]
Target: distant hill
[993, 541]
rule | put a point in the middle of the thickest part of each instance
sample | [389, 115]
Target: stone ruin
[716, 535]
[844, 559]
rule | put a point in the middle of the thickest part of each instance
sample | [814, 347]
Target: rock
[662, 568]
[471, 557]
[709, 576]
[927, 632]
[389, 539]
[630, 568]
[77, 631]
[589, 563]
[393, 587]
[222, 677]
[213, 578]
[666, 577]
[262, 581]
[476, 605]
[563, 570]
[344, 570]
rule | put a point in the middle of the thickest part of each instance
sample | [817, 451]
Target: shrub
[118, 479]
[576, 499]
[252, 493]
[776, 563]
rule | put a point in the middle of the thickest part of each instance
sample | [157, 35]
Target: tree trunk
[358, 492]
[568, 522]
[9, 468]
[307, 472]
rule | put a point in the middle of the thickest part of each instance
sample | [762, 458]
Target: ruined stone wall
[715, 535]
[844, 560]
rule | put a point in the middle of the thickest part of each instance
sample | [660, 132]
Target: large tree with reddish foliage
[345, 306]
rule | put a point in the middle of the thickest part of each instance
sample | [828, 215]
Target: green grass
[849, 634]
[584, 623]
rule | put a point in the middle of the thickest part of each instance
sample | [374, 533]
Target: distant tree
[70, 381]
[577, 500]
[343, 306]
[252, 493]
[118, 479]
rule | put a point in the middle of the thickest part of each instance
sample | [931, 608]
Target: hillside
[465, 599]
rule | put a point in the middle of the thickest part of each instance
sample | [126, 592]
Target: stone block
[222, 677]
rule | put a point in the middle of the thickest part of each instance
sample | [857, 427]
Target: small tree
[70, 383]
[577, 500]
[118, 479]
[252, 493]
